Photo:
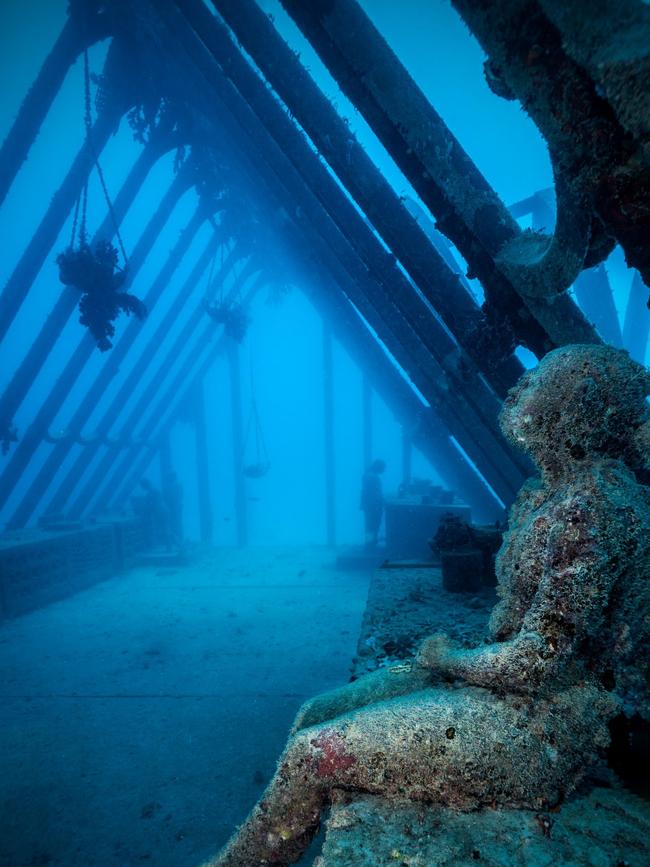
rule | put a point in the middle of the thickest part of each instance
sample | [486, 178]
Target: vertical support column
[367, 422]
[202, 464]
[328, 413]
[407, 453]
[165, 456]
[241, 516]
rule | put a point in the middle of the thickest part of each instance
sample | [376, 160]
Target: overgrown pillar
[328, 425]
[241, 516]
[202, 464]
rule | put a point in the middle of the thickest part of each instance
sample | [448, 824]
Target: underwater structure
[563, 450]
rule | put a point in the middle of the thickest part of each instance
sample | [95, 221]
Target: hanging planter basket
[256, 471]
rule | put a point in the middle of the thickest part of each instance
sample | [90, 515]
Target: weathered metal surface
[466, 208]
[81, 29]
[384, 296]
[381, 204]
[147, 357]
[22, 380]
[66, 380]
[177, 390]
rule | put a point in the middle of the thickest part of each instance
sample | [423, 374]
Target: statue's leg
[385, 683]
[460, 747]
[402, 747]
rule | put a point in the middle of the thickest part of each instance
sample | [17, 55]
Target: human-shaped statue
[518, 721]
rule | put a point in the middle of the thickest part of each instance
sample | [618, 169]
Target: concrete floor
[140, 719]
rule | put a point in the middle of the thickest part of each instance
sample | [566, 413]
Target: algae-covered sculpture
[516, 722]
[95, 273]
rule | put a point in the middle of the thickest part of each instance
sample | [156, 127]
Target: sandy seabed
[141, 718]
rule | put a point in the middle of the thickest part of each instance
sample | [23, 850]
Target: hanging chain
[74, 221]
[100, 173]
[83, 232]
[208, 289]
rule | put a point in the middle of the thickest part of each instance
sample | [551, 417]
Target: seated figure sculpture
[518, 721]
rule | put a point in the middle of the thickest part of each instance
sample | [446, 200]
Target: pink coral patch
[333, 756]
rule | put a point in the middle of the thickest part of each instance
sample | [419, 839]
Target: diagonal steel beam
[139, 368]
[169, 405]
[111, 367]
[636, 326]
[20, 282]
[66, 304]
[80, 30]
[467, 209]
[375, 196]
[73, 369]
[478, 438]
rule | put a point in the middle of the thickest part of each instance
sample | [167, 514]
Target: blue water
[142, 716]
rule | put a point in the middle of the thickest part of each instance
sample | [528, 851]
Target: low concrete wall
[39, 566]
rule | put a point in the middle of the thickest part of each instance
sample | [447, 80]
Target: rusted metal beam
[594, 295]
[466, 208]
[22, 380]
[102, 471]
[167, 407]
[390, 297]
[158, 394]
[147, 357]
[636, 325]
[366, 416]
[206, 515]
[110, 368]
[237, 427]
[428, 432]
[19, 283]
[81, 29]
[372, 192]
[73, 369]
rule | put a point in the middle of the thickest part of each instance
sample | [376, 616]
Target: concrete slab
[141, 719]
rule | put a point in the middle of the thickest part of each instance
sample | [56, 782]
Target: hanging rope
[74, 221]
[83, 232]
[100, 173]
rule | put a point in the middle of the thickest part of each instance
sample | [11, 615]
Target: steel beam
[111, 367]
[372, 192]
[206, 517]
[66, 304]
[168, 405]
[127, 429]
[238, 444]
[49, 229]
[147, 356]
[467, 209]
[329, 452]
[155, 400]
[66, 380]
[75, 35]
[479, 434]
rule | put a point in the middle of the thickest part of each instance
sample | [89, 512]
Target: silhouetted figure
[372, 501]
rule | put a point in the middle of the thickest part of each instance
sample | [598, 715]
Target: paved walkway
[139, 720]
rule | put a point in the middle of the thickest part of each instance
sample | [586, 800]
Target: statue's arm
[579, 568]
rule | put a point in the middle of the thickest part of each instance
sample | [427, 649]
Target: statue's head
[581, 401]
